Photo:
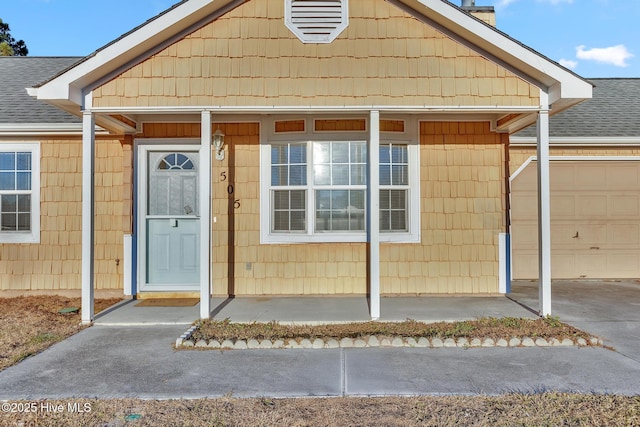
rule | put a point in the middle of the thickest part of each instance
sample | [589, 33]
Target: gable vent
[316, 21]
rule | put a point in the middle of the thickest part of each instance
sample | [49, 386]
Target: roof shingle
[614, 111]
[21, 72]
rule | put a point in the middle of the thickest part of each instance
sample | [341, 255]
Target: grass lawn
[29, 325]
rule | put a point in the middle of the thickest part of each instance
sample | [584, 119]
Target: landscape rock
[449, 342]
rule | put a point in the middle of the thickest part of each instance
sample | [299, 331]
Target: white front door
[169, 220]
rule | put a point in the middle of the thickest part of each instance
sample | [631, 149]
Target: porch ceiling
[127, 121]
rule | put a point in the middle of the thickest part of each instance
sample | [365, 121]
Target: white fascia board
[297, 109]
[70, 85]
[561, 83]
[521, 141]
[44, 129]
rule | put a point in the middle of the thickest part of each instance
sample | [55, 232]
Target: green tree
[10, 46]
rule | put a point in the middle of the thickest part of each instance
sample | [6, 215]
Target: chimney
[484, 13]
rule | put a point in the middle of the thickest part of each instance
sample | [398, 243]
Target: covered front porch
[408, 262]
[319, 310]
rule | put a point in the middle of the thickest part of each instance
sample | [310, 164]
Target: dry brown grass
[548, 409]
[489, 327]
[29, 325]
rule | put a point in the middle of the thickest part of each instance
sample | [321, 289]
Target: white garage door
[595, 220]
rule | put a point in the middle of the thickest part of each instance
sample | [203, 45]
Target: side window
[19, 193]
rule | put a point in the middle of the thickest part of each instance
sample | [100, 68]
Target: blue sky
[595, 38]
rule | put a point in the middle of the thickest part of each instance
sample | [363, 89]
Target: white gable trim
[133, 48]
[565, 88]
[500, 48]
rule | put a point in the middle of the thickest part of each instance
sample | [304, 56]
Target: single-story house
[278, 147]
[595, 188]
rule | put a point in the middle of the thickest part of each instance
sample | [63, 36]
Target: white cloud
[554, 2]
[568, 63]
[614, 55]
[501, 4]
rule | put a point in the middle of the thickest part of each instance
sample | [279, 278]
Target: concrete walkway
[138, 361]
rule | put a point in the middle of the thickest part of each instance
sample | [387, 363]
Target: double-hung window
[315, 189]
[19, 193]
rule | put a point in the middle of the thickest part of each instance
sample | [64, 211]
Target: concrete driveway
[138, 361]
[608, 309]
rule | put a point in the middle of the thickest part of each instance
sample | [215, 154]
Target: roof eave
[127, 50]
[561, 83]
[564, 87]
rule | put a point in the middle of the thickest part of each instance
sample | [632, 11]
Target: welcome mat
[168, 302]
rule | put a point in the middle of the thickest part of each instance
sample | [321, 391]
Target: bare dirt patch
[507, 410]
[31, 324]
[496, 328]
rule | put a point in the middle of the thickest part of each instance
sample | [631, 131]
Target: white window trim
[32, 236]
[410, 137]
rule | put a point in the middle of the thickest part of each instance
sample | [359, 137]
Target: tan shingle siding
[462, 213]
[55, 262]
[389, 58]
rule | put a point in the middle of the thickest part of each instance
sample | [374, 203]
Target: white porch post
[88, 166]
[373, 214]
[544, 208]
[205, 215]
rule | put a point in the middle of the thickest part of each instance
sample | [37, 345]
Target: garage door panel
[562, 176]
[526, 237]
[621, 206]
[589, 175]
[526, 264]
[624, 176]
[524, 206]
[563, 206]
[595, 220]
[595, 205]
[563, 265]
[589, 265]
[623, 234]
[528, 179]
[624, 265]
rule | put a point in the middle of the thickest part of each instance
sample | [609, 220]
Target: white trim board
[572, 158]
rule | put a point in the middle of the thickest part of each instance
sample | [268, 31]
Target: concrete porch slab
[318, 310]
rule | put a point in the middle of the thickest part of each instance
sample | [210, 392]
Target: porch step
[167, 295]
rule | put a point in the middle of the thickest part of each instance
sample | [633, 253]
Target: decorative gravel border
[185, 341]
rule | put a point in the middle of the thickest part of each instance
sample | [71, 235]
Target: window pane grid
[15, 212]
[334, 198]
[15, 187]
[393, 210]
[394, 187]
[394, 164]
[15, 171]
[340, 163]
[289, 165]
[340, 210]
[289, 210]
